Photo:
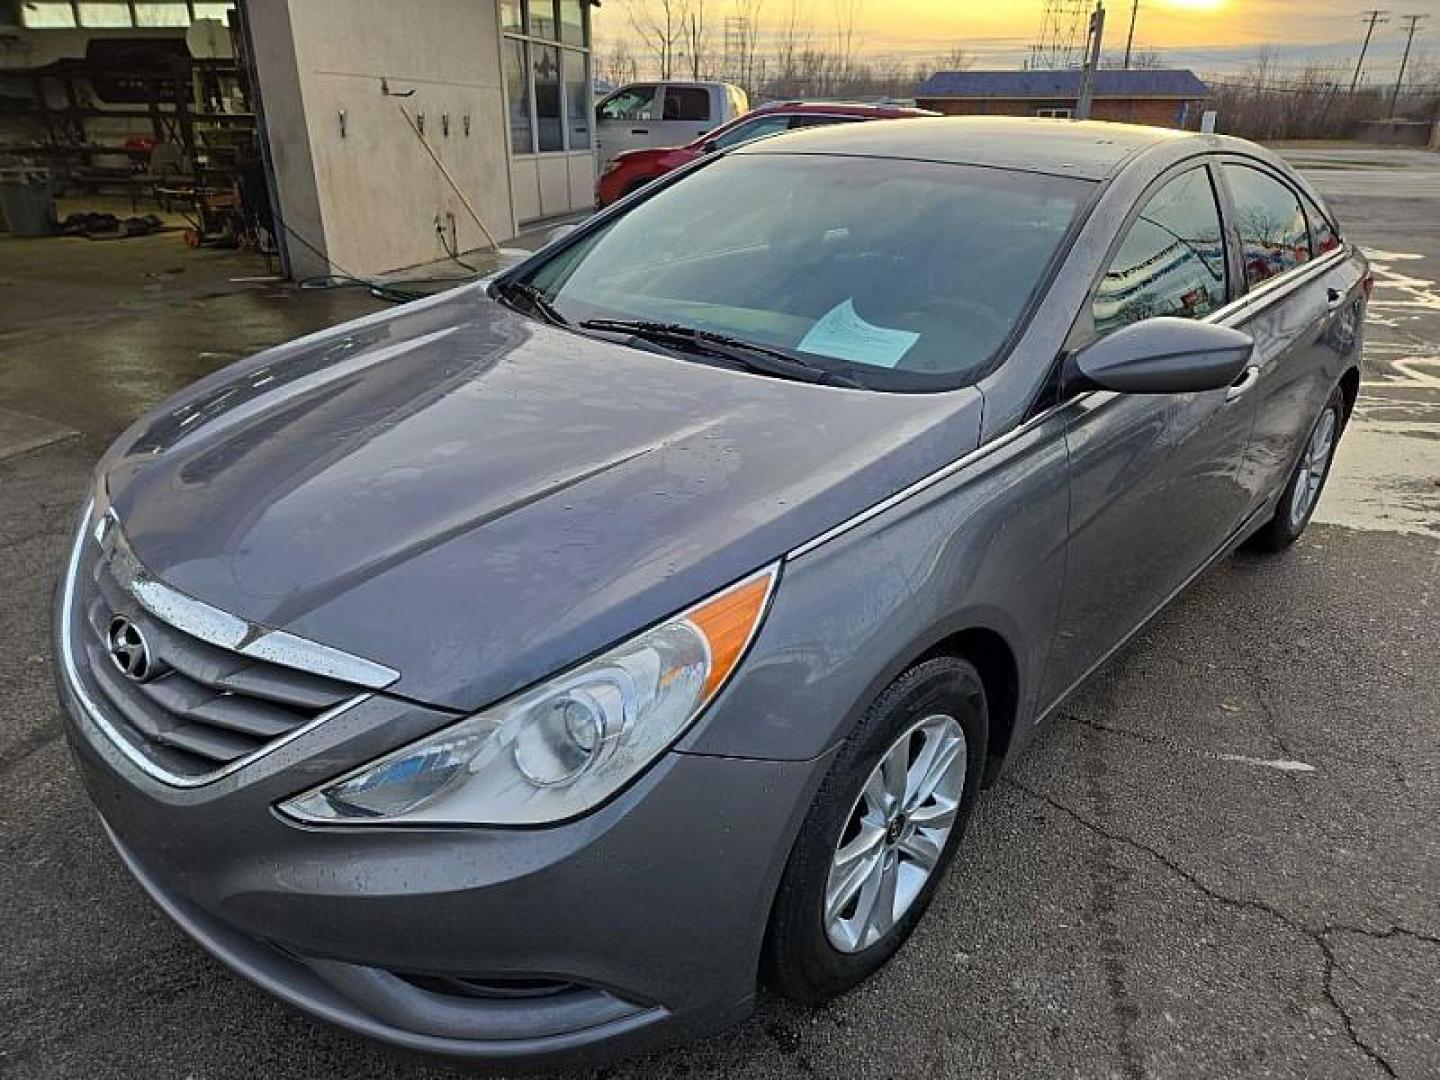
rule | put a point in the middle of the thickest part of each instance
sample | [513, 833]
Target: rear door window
[687, 103]
[1273, 234]
[1171, 262]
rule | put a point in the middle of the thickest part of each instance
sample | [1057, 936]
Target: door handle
[1248, 378]
[639, 131]
[1334, 298]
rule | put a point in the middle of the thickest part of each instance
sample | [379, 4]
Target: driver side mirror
[708, 146]
[1163, 355]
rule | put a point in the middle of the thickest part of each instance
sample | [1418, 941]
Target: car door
[688, 113]
[1155, 487]
[1296, 311]
[624, 120]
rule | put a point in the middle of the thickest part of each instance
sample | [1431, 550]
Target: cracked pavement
[1155, 889]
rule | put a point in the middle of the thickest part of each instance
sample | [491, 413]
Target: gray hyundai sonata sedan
[526, 672]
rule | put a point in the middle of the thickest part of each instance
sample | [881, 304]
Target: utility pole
[1130, 41]
[1092, 62]
[1376, 15]
[1414, 21]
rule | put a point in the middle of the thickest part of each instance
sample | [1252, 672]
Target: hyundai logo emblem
[128, 649]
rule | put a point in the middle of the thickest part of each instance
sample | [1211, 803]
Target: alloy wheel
[1311, 473]
[896, 832]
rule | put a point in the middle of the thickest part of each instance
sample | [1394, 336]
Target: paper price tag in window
[843, 334]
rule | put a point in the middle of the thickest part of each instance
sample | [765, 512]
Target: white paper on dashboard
[843, 334]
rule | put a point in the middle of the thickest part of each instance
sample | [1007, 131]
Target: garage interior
[352, 138]
[185, 182]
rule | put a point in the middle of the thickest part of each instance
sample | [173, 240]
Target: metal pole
[1409, 40]
[1130, 40]
[1376, 16]
[1092, 62]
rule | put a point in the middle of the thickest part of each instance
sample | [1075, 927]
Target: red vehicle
[636, 168]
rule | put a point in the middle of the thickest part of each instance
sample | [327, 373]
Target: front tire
[1302, 492]
[884, 826]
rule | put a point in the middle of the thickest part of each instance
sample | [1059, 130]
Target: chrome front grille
[197, 709]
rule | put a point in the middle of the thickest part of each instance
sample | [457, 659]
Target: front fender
[982, 548]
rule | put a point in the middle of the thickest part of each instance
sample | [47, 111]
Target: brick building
[1163, 97]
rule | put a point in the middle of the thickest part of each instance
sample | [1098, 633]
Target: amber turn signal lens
[728, 621]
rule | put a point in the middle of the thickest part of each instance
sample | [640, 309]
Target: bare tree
[792, 40]
[618, 65]
[695, 32]
[661, 27]
[749, 12]
[847, 40]
[957, 59]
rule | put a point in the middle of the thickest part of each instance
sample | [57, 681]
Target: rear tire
[877, 841]
[1302, 492]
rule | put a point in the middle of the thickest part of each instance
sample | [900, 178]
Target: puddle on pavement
[1386, 477]
[1387, 469]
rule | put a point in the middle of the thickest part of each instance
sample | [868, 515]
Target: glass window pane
[106, 15]
[631, 103]
[517, 96]
[900, 273]
[1323, 236]
[546, 60]
[687, 103]
[577, 98]
[1172, 261]
[1272, 228]
[572, 22]
[542, 19]
[213, 11]
[752, 129]
[510, 17]
[162, 14]
[43, 16]
[805, 120]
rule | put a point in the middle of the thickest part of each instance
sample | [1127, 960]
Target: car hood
[477, 500]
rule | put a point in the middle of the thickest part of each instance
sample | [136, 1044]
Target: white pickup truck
[646, 114]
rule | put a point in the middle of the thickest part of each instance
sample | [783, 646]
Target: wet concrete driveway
[1223, 860]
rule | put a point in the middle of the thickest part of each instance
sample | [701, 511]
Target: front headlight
[564, 746]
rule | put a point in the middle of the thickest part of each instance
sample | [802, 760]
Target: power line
[1414, 21]
[1062, 38]
[1377, 15]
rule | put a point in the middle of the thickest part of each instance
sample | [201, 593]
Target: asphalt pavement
[1223, 858]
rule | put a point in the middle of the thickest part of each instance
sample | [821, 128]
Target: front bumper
[643, 921]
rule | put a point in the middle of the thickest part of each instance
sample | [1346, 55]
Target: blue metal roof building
[1166, 97]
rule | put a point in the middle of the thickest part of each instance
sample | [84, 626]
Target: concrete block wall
[353, 178]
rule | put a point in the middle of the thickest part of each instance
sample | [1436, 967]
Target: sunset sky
[1209, 35]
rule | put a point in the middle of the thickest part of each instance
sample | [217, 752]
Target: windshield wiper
[761, 359]
[533, 299]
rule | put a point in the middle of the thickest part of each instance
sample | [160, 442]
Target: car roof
[846, 108]
[1089, 150]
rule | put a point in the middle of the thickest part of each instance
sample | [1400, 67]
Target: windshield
[899, 274]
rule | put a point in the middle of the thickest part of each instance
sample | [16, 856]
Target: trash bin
[25, 198]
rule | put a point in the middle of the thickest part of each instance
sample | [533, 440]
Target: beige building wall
[353, 179]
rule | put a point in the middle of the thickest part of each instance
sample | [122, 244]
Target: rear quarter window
[1324, 236]
[1274, 236]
